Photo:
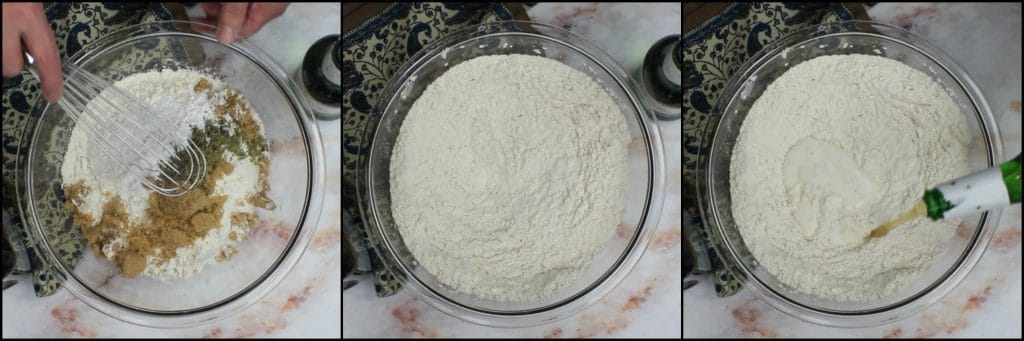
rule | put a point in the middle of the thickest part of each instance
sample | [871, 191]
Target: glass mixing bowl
[849, 37]
[277, 241]
[644, 193]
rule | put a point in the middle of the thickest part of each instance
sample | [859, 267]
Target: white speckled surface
[648, 303]
[305, 304]
[985, 39]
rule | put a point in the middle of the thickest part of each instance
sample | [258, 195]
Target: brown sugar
[260, 198]
[202, 85]
[74, 195]
[174, 222]
[132, 263]
[225, 255]
[183, 219]
[113, 222]
[113, 219]
[243, 219]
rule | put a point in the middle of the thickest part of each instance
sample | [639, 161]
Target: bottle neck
[1011, 177]
[976, 192]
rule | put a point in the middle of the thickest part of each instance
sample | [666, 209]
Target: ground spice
[250, 144]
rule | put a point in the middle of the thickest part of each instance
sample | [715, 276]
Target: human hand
[240, 18]
[26, 23]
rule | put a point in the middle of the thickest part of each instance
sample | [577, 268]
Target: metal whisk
[115, 124]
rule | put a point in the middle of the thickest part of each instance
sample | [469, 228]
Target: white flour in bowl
[509, 175]
[831, 149]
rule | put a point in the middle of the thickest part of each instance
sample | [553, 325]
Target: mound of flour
[834, 147]
[509, 174]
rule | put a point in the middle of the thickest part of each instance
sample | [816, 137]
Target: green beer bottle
[976, 192]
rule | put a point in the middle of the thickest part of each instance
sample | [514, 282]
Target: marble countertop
[985, 39]
[648, 302]
[305, 304]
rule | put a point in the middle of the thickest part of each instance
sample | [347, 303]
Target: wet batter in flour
[834, 147]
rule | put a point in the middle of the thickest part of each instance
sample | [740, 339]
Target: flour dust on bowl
[178, 261]
[514, 176]
[824, 135]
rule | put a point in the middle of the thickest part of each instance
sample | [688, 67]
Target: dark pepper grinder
[661, 75]
[320, 77]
